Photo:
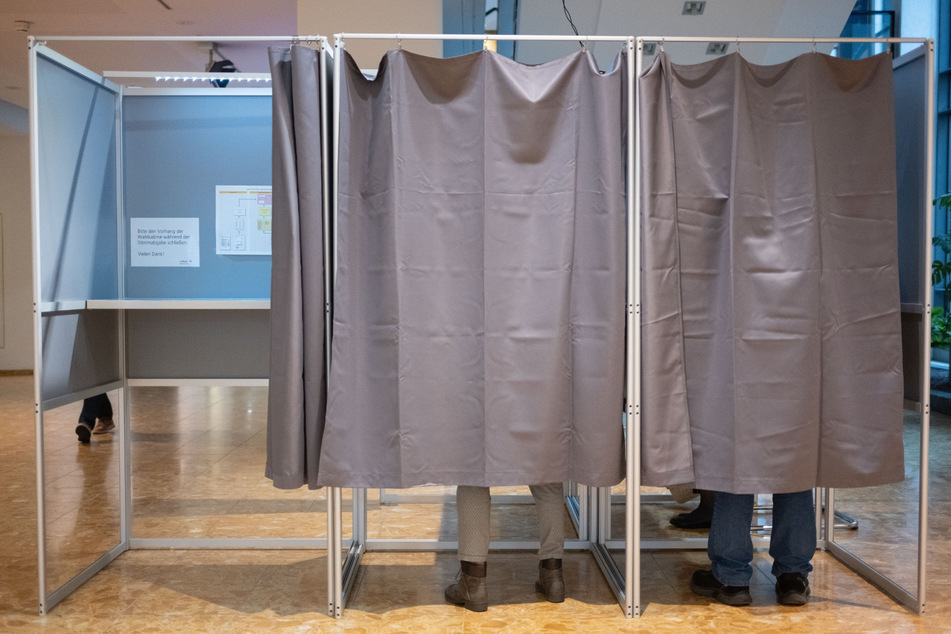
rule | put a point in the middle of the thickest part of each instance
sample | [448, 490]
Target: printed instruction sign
[242, 220]
[164, 241]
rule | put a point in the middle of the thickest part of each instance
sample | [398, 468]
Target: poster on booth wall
[164, 241]
[242, 220]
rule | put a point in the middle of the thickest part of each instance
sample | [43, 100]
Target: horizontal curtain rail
[482, 36]
[784, 40]
[181, 38]
[474, 37]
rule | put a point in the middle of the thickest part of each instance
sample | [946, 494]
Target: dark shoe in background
[697, 518]
[469, 590]
[701, 516]
[792, 588]
[83, 432]
[551, 581]
[705, 584]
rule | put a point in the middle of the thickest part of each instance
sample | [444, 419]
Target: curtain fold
[772, 350]
[297, 383]
[478, 320]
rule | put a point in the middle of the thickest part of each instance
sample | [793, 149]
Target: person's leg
[792, 545]
[103, 411]
[472, 512]
[550, 507]
[730, 549]
[87, 420]
[101, 406]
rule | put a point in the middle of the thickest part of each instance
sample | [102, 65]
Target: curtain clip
[813, 45]
[738, 44]
[661, 45]
[399, 42]
[584, 45]
[485, 43]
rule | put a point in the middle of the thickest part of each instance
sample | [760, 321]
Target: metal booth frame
[590, 509]
[582, 501]
[825, 508]
[50, 597]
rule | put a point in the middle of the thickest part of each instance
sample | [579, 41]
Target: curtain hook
[485, 42]
[661, 45]
[584, 46]
[737, 43]
[813, 45]
[399, 42]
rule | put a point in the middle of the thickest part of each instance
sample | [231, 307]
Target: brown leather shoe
[103, 425]
[551, 581]
[469, 590]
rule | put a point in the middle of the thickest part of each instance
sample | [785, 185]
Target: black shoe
[694, 519]
[83, 431]
[705, 584]
[792, 588]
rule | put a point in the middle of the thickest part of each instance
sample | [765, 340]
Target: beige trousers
[473, 507]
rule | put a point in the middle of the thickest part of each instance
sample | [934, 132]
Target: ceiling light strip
[184, 76]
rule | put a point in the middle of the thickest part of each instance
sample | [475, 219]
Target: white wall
[326, 17]
[17, 350]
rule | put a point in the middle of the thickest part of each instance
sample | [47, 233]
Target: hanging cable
[564, 5]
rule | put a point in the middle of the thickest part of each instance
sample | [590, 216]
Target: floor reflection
[198, 459]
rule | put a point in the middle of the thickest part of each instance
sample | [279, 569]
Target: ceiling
[218, 18]
[723, 18]
[138, 17]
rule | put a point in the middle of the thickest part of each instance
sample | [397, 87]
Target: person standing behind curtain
[792, 545]
[96, 417]
[473, 513]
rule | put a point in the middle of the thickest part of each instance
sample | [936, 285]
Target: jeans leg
[472, 511]
[793, 541]
[730, 546]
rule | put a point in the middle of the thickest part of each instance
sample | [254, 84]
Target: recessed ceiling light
[694, 8]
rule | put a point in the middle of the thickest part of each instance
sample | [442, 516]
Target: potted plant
[940, 275]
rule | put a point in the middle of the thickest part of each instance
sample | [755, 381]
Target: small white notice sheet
[242, 220]
[164, 241]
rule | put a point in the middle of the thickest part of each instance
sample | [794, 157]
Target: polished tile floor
[197, 471]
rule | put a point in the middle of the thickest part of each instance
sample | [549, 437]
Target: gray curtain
[772, 351]
[478, 304]
[297, 386]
